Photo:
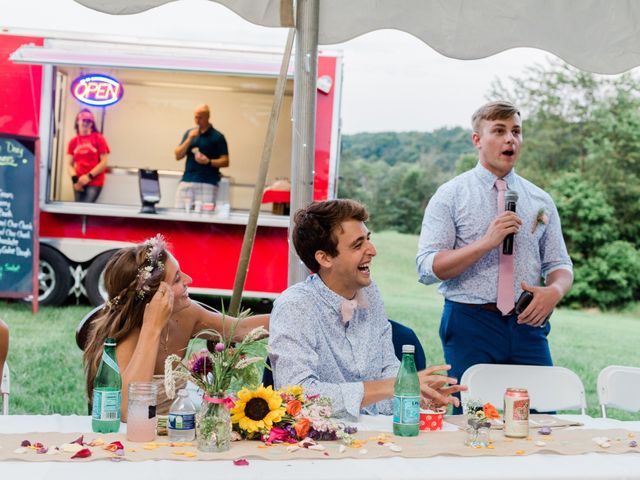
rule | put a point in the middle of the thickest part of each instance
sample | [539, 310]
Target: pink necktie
[505, 301]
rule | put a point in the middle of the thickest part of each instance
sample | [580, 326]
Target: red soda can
[516, 413]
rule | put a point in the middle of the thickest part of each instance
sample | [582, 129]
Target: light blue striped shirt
[310, 346]
[460, 213]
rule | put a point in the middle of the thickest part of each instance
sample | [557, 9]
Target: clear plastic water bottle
[406, 396]
[107, 392]
[182, 419]
[222, 202]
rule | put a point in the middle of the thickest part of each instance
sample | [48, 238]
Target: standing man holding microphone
[489, 236]
[207, 152]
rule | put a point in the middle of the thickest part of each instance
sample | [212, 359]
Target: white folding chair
[619, 387]
[550, 388]
[4, 389]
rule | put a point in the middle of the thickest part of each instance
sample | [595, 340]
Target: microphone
[510, 199]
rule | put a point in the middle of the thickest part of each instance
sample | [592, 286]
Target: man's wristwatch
[74, 178]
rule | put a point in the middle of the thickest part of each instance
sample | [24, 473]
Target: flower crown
[152, 265]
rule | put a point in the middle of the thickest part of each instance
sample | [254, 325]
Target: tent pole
[304, 120]
[252, 224]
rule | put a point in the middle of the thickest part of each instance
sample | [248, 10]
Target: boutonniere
[541, 218]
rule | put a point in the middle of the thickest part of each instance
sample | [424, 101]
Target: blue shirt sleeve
[438, 233]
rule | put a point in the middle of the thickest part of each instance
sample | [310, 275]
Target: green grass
[46, 366]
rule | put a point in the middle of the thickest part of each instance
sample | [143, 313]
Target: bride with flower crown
[150, 316]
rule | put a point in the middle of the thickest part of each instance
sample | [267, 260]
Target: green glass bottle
[107, 392]
[406, 396]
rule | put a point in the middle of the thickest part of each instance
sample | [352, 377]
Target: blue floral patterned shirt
[310, 346]
[460, 213]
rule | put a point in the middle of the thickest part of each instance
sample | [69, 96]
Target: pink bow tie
[348, 307]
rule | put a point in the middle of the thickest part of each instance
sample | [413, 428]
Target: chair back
[619, 387]
[4, 389]
[550, 388]
[82, 331]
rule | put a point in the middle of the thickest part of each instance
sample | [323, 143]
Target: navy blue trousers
[471, 335]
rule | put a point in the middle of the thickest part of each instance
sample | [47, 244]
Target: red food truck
[143, 98]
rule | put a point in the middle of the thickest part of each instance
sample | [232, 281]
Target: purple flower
[219, 347]
[350, 429]
[200, 363]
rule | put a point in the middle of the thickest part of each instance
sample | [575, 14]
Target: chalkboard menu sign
[17, 235]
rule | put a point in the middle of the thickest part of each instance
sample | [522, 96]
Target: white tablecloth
[540, 466]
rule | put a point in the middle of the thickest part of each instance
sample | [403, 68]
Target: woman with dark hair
[150, 316]
[87, 154]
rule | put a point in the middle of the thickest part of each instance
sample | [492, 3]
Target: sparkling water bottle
[406, 396]
[107, 392]
[182, 419]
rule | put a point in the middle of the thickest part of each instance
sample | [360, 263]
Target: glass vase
[213, 427]
[478, 437]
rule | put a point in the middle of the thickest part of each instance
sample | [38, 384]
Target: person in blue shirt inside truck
[206, 151]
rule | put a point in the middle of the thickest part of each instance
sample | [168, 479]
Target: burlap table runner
[427, 444]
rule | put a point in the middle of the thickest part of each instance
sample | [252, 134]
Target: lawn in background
[46, 364]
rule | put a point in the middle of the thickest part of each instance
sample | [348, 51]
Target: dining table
[547, 466]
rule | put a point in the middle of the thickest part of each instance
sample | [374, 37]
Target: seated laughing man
[330, 333]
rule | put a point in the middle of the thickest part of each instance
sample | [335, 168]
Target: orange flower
[490, 411]
[294, 407]
[302, 427]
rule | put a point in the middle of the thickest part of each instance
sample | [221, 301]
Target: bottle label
[106, 404]
[110, 362]
[184, 421]
[406, 409]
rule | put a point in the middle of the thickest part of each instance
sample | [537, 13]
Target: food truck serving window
[97, 90]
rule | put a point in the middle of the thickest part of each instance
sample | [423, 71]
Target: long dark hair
[132, 276]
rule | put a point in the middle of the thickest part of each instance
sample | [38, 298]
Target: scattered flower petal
[79, 440]
[84, 453]
[342, 449]
[395, 448]
[42, 450]
[241, 462]
[25, 443]
[540, 443]
[53, 451]
[71, 447]
[519, 452]
[96, 442]
[293, 448]
[633, 444]
[20, 450]
[318, 447]
[363, 451]
[545, 431]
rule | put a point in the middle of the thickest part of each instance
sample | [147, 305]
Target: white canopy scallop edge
[601, 36]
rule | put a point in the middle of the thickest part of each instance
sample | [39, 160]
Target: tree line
[581, 144]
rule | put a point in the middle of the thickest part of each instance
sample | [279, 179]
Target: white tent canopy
[601, 36]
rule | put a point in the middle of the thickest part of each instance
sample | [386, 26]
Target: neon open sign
[97, 90]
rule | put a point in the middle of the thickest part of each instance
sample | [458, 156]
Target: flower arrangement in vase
[217, 373]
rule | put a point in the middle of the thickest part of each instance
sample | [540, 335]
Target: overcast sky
[392, 81]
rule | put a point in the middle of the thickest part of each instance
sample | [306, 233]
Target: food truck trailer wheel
[54, 277]
[94, 280]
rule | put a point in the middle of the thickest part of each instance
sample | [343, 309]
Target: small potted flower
[479, 423]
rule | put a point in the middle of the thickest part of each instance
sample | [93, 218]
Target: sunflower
[258, 409]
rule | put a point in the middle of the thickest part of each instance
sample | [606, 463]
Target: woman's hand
[158, 310]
